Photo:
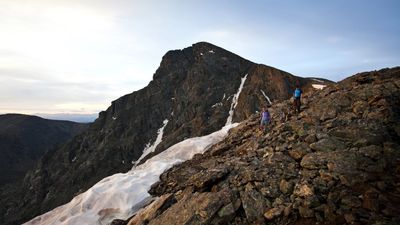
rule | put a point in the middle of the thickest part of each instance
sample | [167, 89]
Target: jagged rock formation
[192, 89]
[337, 162]
[24, 139]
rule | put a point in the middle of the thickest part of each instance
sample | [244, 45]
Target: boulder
[198, 208]
[274, 212]
[286, 187]
[303, 190]
[206, 178]
[253, 203]
[328, 144]
[306, 212]
[153, 210]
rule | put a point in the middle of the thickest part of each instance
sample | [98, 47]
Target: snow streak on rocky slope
[121, 195]
[235, 100]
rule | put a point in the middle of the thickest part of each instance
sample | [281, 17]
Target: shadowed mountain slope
[24, 139]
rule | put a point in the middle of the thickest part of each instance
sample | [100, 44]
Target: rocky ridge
[337, 162]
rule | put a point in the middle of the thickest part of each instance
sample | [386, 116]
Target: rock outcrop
[337, 162]
[190, 94]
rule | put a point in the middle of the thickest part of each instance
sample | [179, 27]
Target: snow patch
[223, 97]
[211, 51]
[114, 117]
[152, 147]
[74, 159]
[217, 104]
[235, 101]
[201, 53]
[266, 97]
[123, 194]
[321, 81]
[318, 86]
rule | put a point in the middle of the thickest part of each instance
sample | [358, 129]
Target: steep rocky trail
[336, 162]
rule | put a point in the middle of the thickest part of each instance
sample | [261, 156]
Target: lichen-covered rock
[328, 144]
[303, 190]
[253, 202]
[274, 212]
[153, 210]
[286, 187]
[306, 212]
[197, 208]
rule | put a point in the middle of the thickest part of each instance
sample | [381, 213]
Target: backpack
[297, 93]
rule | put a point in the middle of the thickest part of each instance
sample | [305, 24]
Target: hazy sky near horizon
[76, 56]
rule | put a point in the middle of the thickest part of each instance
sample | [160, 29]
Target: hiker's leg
[262, 126]
[266, 127]
[294, 107]
[298, 105]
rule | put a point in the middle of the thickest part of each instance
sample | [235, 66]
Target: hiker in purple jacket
[265, 119]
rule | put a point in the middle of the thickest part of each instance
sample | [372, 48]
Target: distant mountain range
[190, 95]
[24, 139]
[79, 118]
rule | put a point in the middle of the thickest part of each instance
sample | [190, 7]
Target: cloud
[70, 53]
[42, 94]
[58, 55]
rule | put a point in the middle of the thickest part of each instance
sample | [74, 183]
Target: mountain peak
[196, 90]
[200, 54]
[206, 47]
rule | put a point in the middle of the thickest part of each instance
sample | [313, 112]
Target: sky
[76, 56]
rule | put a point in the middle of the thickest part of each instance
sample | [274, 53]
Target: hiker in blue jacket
[297, 95]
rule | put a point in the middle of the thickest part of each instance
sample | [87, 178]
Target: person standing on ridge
[265, 119]
[297, 95]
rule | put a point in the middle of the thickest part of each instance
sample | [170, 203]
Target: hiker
[297, 95]
[265, 119]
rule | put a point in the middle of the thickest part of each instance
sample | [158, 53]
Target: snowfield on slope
[121, 195]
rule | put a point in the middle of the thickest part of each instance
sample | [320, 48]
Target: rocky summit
[191, 94]
[336, 162]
